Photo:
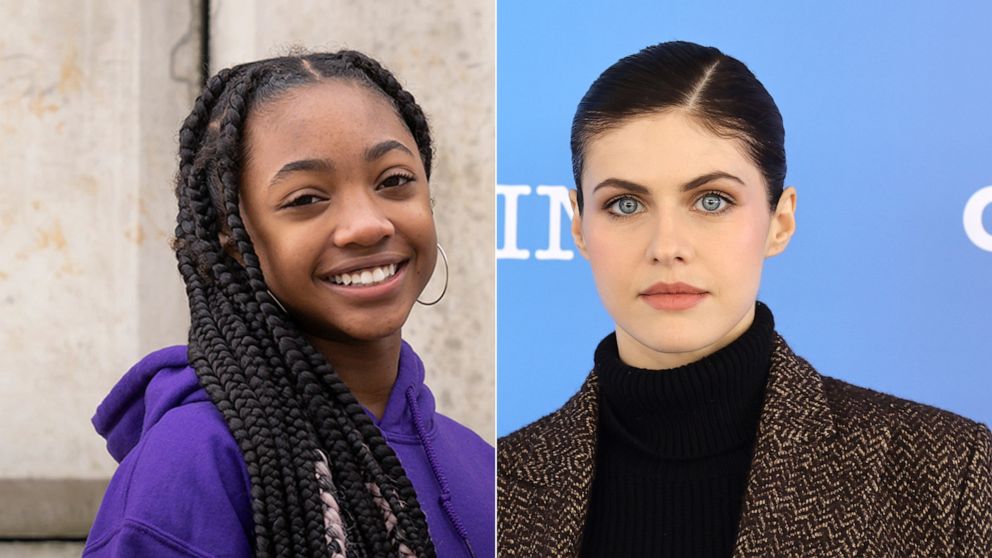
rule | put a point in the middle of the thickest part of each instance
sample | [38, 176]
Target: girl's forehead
[334, 120]
[330, 108]
[335, 96]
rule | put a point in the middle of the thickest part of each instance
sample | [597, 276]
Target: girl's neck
[368, 368]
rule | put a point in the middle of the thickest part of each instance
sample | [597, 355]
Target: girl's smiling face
[676, 226]
[335, 198]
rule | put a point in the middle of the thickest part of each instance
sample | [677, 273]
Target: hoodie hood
[163, 380]
[159, 382]
[409, 419]
[451, 468]
[397, 422]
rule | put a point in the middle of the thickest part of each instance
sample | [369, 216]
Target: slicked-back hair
[323, 480]
[717, 90]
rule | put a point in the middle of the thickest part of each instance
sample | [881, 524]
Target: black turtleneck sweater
[674, 449]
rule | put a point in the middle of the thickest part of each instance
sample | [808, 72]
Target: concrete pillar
[93, 93]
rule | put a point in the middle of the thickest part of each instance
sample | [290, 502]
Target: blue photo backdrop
[888, 115]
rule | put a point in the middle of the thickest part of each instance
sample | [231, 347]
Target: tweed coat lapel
[548, 479]
[810, 490]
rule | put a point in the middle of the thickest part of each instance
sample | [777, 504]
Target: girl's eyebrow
[383, 147]
[313, 165]
[690, 185]
[326, 165]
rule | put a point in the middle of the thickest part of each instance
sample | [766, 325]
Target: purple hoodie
[182, 488]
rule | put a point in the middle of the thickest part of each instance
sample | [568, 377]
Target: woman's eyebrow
[710, 177]
[691, 185]
[313, 165]
[383, 147]
[623, 185]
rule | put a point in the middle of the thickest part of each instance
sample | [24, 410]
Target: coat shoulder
[857, 408]
[536, 432]
[935, 465]
[544, 477]
[563, 430]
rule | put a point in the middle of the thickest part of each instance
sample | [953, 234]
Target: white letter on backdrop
[557, 200]
[973, 218]
[509, 251]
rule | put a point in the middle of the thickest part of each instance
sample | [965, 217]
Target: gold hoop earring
[444, 289]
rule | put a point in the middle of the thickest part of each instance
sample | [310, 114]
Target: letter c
[973, 210]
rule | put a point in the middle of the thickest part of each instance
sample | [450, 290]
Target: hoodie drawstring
[442, 481]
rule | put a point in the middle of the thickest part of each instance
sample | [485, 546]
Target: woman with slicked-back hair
[699, 432]
[296, 422]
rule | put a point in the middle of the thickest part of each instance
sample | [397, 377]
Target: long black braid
[282, 401]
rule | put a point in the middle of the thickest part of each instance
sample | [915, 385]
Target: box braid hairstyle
[280, 398]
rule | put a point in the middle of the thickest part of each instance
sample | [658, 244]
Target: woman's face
[676, 226]
[335, 198]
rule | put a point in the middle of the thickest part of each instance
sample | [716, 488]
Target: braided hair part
[323, 480]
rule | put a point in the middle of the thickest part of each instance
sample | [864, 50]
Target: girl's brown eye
[306, 199]
[396, 180]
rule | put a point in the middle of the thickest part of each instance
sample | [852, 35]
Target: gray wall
[92, 95]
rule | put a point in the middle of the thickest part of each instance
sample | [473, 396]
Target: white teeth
[365, 277]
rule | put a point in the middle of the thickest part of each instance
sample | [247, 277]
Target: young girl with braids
[296, 422]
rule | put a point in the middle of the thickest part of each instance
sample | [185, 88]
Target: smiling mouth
[366, 277]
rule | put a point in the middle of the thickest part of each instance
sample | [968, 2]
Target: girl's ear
[227, 243]
[783, 224]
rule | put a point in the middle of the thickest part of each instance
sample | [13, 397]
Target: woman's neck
[368, 368]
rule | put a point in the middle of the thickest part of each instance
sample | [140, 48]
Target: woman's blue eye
[712, 203]
[624, 206]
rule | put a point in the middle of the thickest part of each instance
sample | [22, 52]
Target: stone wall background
[93, 93]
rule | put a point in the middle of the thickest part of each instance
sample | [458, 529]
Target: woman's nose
[670, 240]
[361, 221]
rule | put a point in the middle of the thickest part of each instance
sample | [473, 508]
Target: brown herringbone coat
[837, 471]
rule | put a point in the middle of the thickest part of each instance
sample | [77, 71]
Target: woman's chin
[654, 352]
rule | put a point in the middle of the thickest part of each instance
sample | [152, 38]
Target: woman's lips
[673, 296]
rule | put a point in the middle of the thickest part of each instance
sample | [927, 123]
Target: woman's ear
[783, 224]
[580, 242]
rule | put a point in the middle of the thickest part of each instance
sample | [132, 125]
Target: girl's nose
[361, 221]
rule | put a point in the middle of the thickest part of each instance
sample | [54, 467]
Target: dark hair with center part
[282, 401]
[717, 90]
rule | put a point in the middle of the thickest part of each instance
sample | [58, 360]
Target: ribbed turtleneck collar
[704, 408]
